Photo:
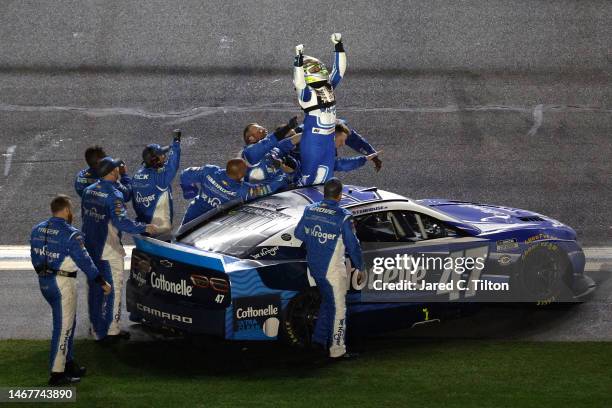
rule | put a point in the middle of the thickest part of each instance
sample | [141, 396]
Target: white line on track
[17, 258]
[8, 158]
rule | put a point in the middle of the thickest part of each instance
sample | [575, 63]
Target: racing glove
[336, 39]
[177, 135]
[283, 131]
[299, 56]
[377, 164]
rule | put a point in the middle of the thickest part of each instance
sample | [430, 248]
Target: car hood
[488, 218]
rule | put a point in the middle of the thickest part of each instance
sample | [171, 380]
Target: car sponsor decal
[507, 244]
[286, 237]
[257, 317]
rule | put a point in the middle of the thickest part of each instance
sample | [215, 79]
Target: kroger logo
[144, 200]
[317, 233]
[93, 213]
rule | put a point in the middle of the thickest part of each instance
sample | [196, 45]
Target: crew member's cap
[153, 150]
[107, 164]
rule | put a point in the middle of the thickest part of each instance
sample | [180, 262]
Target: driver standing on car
[327, 232]
[57, 249]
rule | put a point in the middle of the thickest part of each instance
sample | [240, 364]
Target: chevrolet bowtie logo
[166, 263]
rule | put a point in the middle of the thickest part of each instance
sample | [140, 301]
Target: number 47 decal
[219, 298]
[450, 275]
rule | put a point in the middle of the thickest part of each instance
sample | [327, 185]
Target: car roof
[351, 195]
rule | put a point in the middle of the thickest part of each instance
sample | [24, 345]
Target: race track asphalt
[503, 102]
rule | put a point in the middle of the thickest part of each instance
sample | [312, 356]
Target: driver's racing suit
[57, 249]
[318, 103]
[327, 232]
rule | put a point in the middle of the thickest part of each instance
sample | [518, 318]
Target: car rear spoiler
[181, 253]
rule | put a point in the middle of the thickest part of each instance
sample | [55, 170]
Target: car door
[402, 236]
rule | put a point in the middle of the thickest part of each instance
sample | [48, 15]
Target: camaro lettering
[180, 288]
[164, 315]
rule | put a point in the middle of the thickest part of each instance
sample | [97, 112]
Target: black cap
[153, 151]
[106, 165]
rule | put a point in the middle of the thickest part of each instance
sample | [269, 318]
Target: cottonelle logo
[180, 288]
[251, 312]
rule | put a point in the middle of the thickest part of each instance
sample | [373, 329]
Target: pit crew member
[326, 229]
[88, 176]
[57, 249]
[315, 88]
[210, 186]
[258, 142]
[104, 219]
[152, 184]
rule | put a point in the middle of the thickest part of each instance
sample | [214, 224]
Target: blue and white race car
[239, 272]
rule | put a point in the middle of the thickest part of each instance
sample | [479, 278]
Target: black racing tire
[543, 279]
[300, 317]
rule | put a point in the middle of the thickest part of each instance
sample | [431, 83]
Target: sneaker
[61, 379]
[73, 369]
[346, 356]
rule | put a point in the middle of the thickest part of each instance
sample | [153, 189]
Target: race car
[239, 272]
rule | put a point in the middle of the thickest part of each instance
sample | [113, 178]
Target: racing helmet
[314, 70]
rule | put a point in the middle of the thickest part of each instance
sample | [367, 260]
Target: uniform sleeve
[299, 229]
[125, 186]
[285, 146]
[255, 152]
[338, 69]
[358, 143]
[173, 163]
[120, 219]
[190, 178]
[353, 248]
[251, 191]
[349, 163]
[80, 256]
[79, 187]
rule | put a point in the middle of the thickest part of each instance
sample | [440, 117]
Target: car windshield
[238, 231]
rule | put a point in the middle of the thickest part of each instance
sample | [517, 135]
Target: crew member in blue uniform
[283, 158]
[88, 176]
[258, 142]
[57, 250]
[315, 89]
[152, 184]
[210, 186]
[327, 231]
[104, 219]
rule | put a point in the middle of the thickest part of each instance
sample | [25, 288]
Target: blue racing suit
[318, 103]
[255, 152]
[104, 218]
[217, 188]
[88, 176]
[57, 249]
[152, 191]
[326, 229]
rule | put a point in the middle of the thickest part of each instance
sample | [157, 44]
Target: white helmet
[314, 70]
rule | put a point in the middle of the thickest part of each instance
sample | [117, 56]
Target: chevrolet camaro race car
[239, 273]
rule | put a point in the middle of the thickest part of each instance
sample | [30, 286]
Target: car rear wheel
[300, 318]
[542, 279]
